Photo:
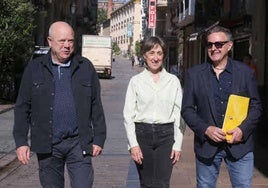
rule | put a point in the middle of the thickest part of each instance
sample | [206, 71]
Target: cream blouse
[153, 102]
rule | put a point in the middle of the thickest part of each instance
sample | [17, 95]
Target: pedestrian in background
[141, 63]
[59, 103]
[152, 117]
[206, 92]
[247, 59]
[132, 60]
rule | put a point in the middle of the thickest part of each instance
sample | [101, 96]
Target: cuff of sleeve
[177, 146]
[132, 143]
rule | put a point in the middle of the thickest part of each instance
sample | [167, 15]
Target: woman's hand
[175, 156]
[136, 154]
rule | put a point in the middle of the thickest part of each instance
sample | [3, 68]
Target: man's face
[62, 44]
[218, 46]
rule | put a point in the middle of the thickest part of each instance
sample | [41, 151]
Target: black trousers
[69, 152]
[155, 141]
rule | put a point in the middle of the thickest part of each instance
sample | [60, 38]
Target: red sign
[152, 14]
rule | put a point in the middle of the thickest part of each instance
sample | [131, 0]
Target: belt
[154, 124]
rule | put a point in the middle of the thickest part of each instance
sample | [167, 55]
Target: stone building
[81, 14]
[125, 27]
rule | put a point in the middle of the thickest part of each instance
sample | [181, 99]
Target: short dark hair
[150, 42]
[217, 29]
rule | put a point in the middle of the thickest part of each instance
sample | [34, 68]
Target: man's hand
[96, 150]
[23, 154]
[237, 135]
[136, 154]
[215, 133]
[175, 155]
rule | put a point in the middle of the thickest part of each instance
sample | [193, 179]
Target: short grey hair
[217, 29]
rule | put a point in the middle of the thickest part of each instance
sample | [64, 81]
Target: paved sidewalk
[183, 172]
[7, 146]
[5, 107]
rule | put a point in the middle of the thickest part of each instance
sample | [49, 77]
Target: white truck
[98, 49]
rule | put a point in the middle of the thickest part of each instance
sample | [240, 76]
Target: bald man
[59, 104]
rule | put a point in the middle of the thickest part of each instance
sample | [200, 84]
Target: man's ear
[230, 45]
[49, 40]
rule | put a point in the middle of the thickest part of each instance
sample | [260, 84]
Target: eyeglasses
[217, 45]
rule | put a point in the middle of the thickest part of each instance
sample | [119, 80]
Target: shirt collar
[228, 67]
[63, 64]
[150, 73]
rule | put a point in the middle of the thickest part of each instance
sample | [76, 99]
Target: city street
[114, 168]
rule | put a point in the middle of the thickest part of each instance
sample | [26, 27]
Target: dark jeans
[69, 152]
[156, 143]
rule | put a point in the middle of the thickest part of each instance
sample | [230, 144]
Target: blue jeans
[240, 171]
[156, 143]
[69, 152]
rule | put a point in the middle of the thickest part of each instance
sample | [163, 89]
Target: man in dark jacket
[59, 102]
[206, 92]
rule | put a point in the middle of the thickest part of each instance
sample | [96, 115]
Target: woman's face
[154, 58]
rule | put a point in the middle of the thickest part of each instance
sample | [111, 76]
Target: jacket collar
[75, 61]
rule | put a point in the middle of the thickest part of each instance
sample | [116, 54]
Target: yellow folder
[236, 112]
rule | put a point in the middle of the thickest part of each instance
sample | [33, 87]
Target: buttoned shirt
[222, 89]
[154, 103]
[64, 113]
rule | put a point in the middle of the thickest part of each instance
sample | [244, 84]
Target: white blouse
[153, 102]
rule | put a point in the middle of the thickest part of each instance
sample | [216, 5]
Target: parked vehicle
[98, 49]
[39, 51]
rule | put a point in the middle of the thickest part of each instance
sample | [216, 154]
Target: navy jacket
[198, 107]
[34, 105]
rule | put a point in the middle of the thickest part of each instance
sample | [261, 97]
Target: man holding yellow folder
[207, 89]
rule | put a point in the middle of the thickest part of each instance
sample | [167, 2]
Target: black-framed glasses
[218, 44]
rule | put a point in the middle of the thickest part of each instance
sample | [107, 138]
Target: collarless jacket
[198, 107]
[34, 105]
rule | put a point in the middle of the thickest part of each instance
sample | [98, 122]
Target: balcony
[166, 3]
[186, 12]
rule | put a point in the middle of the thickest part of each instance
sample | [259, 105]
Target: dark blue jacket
[34, 105]
[198, 107]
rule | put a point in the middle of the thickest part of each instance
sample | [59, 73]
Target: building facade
[110, 5]
[181, 23]
[125, 26]
[81, 14]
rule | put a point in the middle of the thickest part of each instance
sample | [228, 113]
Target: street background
[114, 168]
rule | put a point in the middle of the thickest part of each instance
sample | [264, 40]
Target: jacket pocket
[86, 89]
[37, 88]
